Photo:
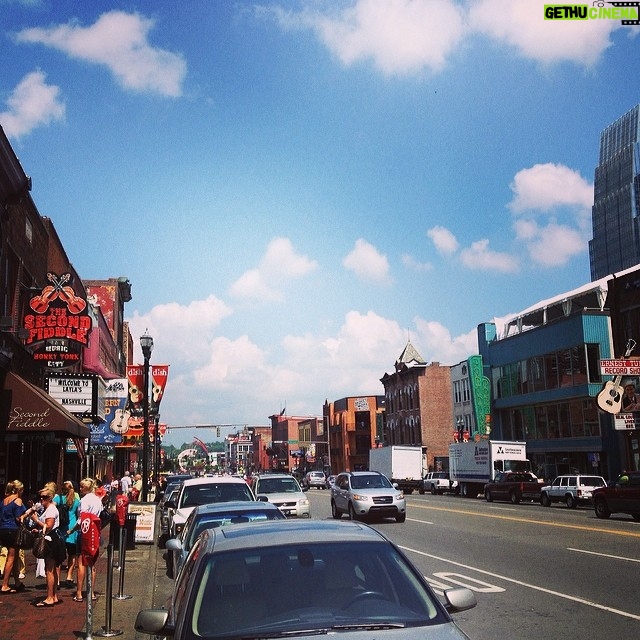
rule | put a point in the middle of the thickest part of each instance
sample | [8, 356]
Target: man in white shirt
[125, 483]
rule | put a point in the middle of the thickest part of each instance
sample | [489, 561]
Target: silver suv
[364, 494]
[284, 491]
[572, 490]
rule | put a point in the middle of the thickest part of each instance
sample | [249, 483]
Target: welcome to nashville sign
[60, 324]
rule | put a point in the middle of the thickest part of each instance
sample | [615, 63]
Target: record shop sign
[60, 324]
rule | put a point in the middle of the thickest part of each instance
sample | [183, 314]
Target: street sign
[620, 367]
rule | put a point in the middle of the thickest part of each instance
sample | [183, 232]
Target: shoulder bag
[42, 546]
[24, 537]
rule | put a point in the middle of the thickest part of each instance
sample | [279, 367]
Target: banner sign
[59, 327]
[626, 421]
[620, 367]
[159, 374]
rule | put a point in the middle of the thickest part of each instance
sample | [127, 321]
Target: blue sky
[294, 189]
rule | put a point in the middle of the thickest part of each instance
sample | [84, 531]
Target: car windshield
[278, 485]
[248, 592]
[198, 494]
[370, 482]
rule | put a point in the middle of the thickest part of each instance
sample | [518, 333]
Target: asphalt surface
[144, 584]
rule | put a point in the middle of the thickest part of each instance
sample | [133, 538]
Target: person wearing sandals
[11, 509]
[71, 502]
[89, 503]
[49, 520]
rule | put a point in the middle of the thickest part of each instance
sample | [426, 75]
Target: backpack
[63, 510]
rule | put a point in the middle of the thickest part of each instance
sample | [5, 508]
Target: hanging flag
[159, 375]
[135, 400]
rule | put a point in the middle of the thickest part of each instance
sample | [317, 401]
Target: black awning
[26, 408]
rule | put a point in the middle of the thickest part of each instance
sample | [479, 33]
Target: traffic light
[218, 431]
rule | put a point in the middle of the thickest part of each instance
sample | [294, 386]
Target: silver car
[237, 583]
[362, 494]
[284, 491]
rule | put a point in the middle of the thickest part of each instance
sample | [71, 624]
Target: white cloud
[238, 379]
[547, 186]
[437, 344]
[405, 37]
[522, 26]
[445, 242]
[414, 265]
[180, 332]
[280, 264]
[479, 256]
[399, 36]
[32, 103]
[543, 193]
[117, 40]
[367, 263]
[551, 245]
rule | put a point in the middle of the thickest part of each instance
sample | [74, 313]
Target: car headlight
[360, 498]
[400, 496]
[303, 502]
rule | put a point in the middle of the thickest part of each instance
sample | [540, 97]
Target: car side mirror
[262, 498]
[170, 504]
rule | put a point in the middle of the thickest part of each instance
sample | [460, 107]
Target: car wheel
[335, 512]
[601, 509]
[571, 502]
[487, 496]
[352, 513]
[401, 517]
[421, 491]
[545, 500]
[433, 490]
[514, 497]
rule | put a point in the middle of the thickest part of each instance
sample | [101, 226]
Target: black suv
[623, 496]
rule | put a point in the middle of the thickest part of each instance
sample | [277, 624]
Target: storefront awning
[27, 409]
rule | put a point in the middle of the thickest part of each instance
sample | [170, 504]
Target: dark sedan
[208, 516]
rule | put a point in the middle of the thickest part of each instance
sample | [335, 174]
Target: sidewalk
[144, 579]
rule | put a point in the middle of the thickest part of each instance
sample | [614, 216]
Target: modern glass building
[616, 204]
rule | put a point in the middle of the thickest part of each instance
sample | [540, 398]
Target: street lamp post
[146, 343]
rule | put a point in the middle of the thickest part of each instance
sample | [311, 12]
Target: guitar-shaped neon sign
[610, 398]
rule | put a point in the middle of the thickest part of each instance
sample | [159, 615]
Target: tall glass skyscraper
[616, 199]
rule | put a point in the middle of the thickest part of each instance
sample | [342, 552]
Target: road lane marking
[565, 596]
[604, 555]
[419, 521]
[560, 525]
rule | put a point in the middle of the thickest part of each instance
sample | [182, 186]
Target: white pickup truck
[437, 482]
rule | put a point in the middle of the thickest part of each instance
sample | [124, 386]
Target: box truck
[403, 465]
[474, 463]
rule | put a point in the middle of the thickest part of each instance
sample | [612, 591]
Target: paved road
[538, 572]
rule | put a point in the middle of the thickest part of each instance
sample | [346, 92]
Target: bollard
[107, 631]
[123, 552]
[89, 603]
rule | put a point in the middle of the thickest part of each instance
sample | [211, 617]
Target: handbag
[24, 537]
[42, 545]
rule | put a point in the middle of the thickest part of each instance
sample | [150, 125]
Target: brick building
[419, 406]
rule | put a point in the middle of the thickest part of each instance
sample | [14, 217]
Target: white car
[207, 490]
[284, 491]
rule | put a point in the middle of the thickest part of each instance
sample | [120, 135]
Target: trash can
[130, 528]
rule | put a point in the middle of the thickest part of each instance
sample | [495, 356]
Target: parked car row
[620, 496]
